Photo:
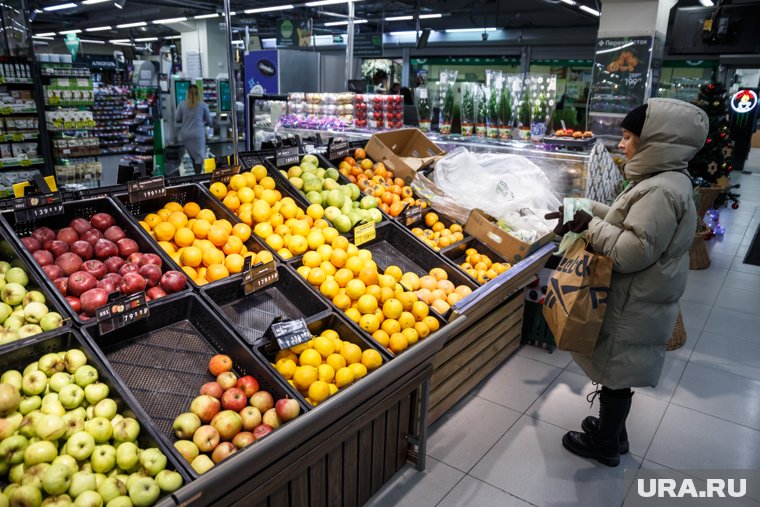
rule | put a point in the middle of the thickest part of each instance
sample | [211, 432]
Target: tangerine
[191, 256]
[216, 272]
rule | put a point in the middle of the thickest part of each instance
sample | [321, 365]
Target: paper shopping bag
[576, 298]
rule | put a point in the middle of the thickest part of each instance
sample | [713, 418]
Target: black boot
[602, 445]
[590, 424]
[198, 168]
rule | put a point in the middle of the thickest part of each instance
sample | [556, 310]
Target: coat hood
[674, 131]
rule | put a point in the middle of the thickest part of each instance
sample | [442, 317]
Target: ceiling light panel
[272, 8]
[59, 7]
[97, 29]
[344, 23]
[168, 21]
[132, 25]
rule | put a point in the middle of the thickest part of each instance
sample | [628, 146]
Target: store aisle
[501, 446]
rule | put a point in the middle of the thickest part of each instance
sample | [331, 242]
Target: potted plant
[481, 111]
[492, 114]
[523, 116]
[505, 113]
[468, 109]
[538, 125]
[424, 110]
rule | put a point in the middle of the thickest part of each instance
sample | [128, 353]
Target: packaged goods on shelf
[24, 150]
[69, 120]
[20, 123]
[77, 171]
[14, 70]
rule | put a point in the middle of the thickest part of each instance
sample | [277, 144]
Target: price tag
[122, 311]
[286, 156]
[25, 162]
[17, 137]
[145, 189]
[6, 110]
[364, 233]
[258, 276]
[27, 209]
[412, 214]
[290, 333]
[337, 149]
[224, 174]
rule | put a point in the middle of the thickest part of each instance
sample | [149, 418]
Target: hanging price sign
[290, 333]
[27, 209]
[364, 233]
[258, 276]
[286, 156]
[412, 214]
[121, 312]
[145, 189]
[337, 149]
[224, 174]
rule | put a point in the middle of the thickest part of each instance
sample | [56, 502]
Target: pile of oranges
[205, 247]
[437, 235]
[322, 366]
[383, 304]
[439, 292]
[481, 267]
[278, 220]
[393, 194]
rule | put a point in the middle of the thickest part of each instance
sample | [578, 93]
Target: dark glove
[561, 229]
[580, 222]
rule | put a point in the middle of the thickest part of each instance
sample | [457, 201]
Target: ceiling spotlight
[431, 16]
[399, 18]
[119, 4]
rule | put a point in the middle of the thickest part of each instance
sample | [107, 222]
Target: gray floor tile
[468, 431]
[671, 375]
[733, 323]
[744, 281]
[700, 292]
[719, 393]
[558, 358]
[734, 355]
[695, 314]
[530, 463]
[711, 275]
[564, 404]
[722, 260]
[517, 383]
[420, 489]
[739, 265]
[739, 300]
[476, 493]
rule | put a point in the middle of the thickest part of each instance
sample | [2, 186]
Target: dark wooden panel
[378, 452]
[299, 490]
[473, 333]
[391, 442]
[335, 476]
[364, 482]
[404, 429]
[318, 483]
[350, 469]
[280, 498]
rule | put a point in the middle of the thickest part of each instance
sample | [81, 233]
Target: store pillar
[203, 48]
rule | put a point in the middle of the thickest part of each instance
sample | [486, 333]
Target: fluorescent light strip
[206, 16]
[344, 23]
[333, 14]
[430, 16]
[470, 30]
[92, 2]
[589, 10]
[399, 18]
[42, 37]
[568, 2]
[59, 7]
[91, 41]
[706, 3]
[97, 29]
[326, 2]
[70, 31]
[269, 9]
[132, 25]
[172, 37]
[46, 34]
[120, 41]
[169, 21]
[403, 34]
[146, 39]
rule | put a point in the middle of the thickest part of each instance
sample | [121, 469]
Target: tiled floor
[500, 446]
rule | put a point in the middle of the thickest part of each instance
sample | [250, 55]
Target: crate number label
[364, 233]
[145, 189]
[258, 276]
[122, 311]
[26, 209]
[290, 333]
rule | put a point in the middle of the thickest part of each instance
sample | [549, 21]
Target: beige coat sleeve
[599, 210]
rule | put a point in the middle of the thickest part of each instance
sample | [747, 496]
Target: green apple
[96, 392]
[33, 383]
[40, 452]
[127, 456]
[320, 174]
[5, 312]
[26, 496]
[66, 460]
[50, 398]
[9, 399]
[111, 488]
[17, 275]
[126, 430]
[71, 395]
[59, 380]
[368, 202]
[52, 320]
[28, 330]
[33, 296]
[34, 312]
[334, 199]
[100, 428]
[295, 172]
[53, 407]
[144, 492]
[310, 184]
[185, 425]
[73, 423]
[30, 368]
[202, 464]
[29, 404]
[74, 359]
[103, 459]
[57, 479]
[81, 482]
[314, 197]
[106, 408]
[355, 191]
[86, 467]
[310, 159]
[8, 336]
[152, 460]
[58, 501]
[296, 182]
[168, 481]
[120, 501]
[33, 475]
[13, 323]
[187, 449]
[10, 488]
[28, 423]
[332, 174]
[376, 215]
[85, 375]
[80, 445]
[12, 449]
[16, 473]
[330, 185]
[342, 223]
[134, 477]
[4, 267]
[12, 377]
[50, 427]
[12, 294]
[331, 212]
[88, 499]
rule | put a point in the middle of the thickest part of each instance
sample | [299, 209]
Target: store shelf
[21, 136]
[10, 110]
[16, 80]
[18, 162]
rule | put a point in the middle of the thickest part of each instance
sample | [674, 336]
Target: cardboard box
[403, 151]
[483, 227]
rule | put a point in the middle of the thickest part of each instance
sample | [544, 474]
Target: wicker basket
[679, 334]
[698, 256]
[707, 196]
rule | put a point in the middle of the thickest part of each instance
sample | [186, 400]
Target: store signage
[290, 333]
[286, 156]
[364, 233]
[621, 66]
[27, 209]
[122, 311]
[294, 33]
[145, 189]
[224, 174]
[98, 62]
[258, 276]
[744, 101]
[337, 39]
[368, 45]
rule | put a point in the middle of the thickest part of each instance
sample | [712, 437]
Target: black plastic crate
[64, 340]
[184, 194]
[456, 254]
[185, 180]
[86, 209]
[441, 218]
[345, 331]
[163, 360]
[290, 298]
[100, 192]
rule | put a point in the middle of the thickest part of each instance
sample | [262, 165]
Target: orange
[207, 215]
[395, 272]
[163, 213]
[390, 326]
[420, 310]
[144, 225]
[191, 209]
[275, 241]
[398, 343]
[406, 320]
[422, 329]
[330, 234]
[234, 263]
[259, 171]
[386, 293]
[355, 264]
[430, 219]
[369, 323]
[232, 202]
[312, 259]
[386, 281]
[270, 196]
[380, 337]
[328, 268]
[352, 352]
[262, 256]
[355, 289]
[164, 231]
[342, 301]
[178, 219]
[167, 246]
[439, 274]
[432, 323]
[191, 256]
[411, 335]
[315, 239]
[343, 276]
[218, 235]
[338, 257]
[374, 290]
[190, 272]
[173, 206]
[225, 224]
[237, 182]
[315, 211]
[336, 361]
[329, 288]
[297, 244]
[392, 308]
[218, 190]
[366, 304]
[246, 195]
[200, 228]
[316, 276]
[216, 272]
[184, 237]
[152, 220]
[233, 246]
[354, 314]
[340, 242]
[263, 229]
[212, 256]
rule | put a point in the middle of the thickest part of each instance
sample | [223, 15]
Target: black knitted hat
[634, 120]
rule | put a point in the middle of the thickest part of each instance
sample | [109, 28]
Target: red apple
[92, 300]
[228, 423]
[84, 317]
[205, 407]
[31, 244]
[227, 380]
[105, 249]
[287, 409]
[243, 439]
[127, 247]
[212, 389]
[155, 293]
[173, 281]
[52, 271]
[95, 267]
[43, 234]
[82, 249]
[109, 285]
[81, 282]
[262, 430]
[102, 221]
[206, 438]
[91, 236]
[114, 233]
[248, 385]
[43, 257]
[219, 363]
[151, 273]
[57, 247]
[114, 264]
[135, 258]
[131, 283]
[74, 303]
[62, 284]
[234, 399]
[151, 258]
[80, 225]
[128, 267]
[251, 418]
[116, 277]
[68, 235]
[270, 418]
[69, 262]
[223, 451]
[262, 400]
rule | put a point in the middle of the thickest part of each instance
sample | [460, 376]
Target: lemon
[336, 361]
[310, 357]
[352, 352]
[358, 369]
[324, 346]
[333, 389]
[302, 346]
[371, 359]
[304, 377]
[286, 368]
[319, 391]
[344, 377]
[326, 373]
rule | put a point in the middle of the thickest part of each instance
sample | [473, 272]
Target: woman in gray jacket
[646, 233]
[193, 116]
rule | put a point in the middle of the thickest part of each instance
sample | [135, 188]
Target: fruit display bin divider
[85, 209]
[127, 405]
[347, 333]
[184, 194]
[290, 297]
[163, 360]
[99, 192]
[191, 178]
[13, 252]
[456, 254]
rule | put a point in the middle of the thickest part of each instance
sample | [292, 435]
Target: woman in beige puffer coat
[646, 233]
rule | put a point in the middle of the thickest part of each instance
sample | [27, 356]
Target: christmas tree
[712, 164]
